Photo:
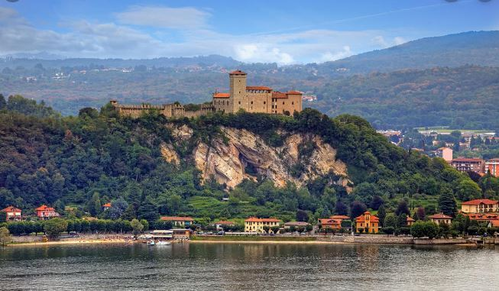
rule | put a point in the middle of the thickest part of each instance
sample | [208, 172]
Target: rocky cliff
[240, 154]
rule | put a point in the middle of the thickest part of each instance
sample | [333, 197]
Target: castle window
[264, 102]
[292, 103]
[251, 102]
[283, 103]
[239, 102]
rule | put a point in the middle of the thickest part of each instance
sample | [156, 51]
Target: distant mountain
[476, 47]
[29, 61]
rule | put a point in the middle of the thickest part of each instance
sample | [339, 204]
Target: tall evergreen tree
[381, 215]
[447, 203]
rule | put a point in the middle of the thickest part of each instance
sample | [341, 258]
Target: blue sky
[285, 32]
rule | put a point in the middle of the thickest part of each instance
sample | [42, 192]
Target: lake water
[248, 267]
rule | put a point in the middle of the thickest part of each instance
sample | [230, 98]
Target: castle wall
[258, 101]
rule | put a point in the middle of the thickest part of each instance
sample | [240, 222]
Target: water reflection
[247, 267]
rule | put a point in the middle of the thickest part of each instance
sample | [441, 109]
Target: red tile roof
[107, 205]
[226, 222]
[279, 95]
[466, 160]
[221, 95]
[480, 201]
[439, 216]
[256, 219]
[495, 223]
[410, 219]
[294, 92]
[10, 209]
[264, 88]
[176, 218]
[362, 218]
[44, 208]
[237, 72]
[340, 217]
[329, 221]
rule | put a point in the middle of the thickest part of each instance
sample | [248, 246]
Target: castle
[255, 99]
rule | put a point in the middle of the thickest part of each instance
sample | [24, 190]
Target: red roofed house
[367, 222]
[106, 206]
[223, 223]
[480, 206]
[45, 212]
[440, 218]
[12, 213]
[329, 223]
[259, 99]
[179, 221]
[254, 224]
[410, 221]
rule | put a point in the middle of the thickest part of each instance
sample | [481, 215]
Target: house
[254, 224]
[329, 223]
[106, 206]
[468, 165]
[410, 221]
[296, 224]
[440, 218]
[444, 153]
[181, 234]
[44, 212]
[367, 222]
[492, 167]
[223, 224]
[179, 221]
[12, 213]
[480, 206]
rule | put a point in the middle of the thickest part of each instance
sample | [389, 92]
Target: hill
[460, 97]
[266, 165]
[467, 48]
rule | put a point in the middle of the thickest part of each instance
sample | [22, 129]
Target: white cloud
[399, 40]
[105, 40]
[164, 17]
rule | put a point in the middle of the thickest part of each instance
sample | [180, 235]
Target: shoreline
[72, 242]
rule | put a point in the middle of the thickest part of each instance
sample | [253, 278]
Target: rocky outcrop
[169, 154]
[243, 154]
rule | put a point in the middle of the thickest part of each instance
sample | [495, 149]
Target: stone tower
[237, 90]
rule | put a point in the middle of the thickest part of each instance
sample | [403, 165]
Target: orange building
[480, 206]
[492, 167]
[410, 221]
[367, 222]
[326, 223]
[12, 213]
[45, 212]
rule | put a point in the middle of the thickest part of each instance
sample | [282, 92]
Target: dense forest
[79, 163]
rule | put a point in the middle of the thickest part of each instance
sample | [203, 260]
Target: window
[251, 102]
[264, 102]
[283, 103]
[292, 103]
[239, 102]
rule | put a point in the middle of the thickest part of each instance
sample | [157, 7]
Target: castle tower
[237, 90]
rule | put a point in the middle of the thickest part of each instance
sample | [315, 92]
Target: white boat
[151, 243]
[163, 243]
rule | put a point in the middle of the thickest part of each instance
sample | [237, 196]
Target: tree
[54, 227]
[420, 214]
[266, 229]
[468, 190]
[301, 215]
[341, 208]
[94, 205]
[3, 216]
[382, 215]
[148, 211]
[402, 208]
[402, 220]
[3, 103]
[358, 208]
[137, 227]
[424, 229]
[275, 229]
[390, 223]
[447, 203]
[376, 202]
[4, 234]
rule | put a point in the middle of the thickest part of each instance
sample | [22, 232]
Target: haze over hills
[418, 95]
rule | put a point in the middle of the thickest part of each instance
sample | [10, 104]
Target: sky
[281, 31]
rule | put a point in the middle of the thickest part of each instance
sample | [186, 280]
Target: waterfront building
[440, 218]
[367, 222]
[480, 206]
[254, 224]
[223, 224]
[468, 165]
[329, 223]
[256, 99]
[492, 167]
[12, 213]
[179, 221]
[44, 212]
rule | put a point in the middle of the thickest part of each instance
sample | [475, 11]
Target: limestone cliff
[242, 154]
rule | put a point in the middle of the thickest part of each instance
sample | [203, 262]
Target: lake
[248, 267]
